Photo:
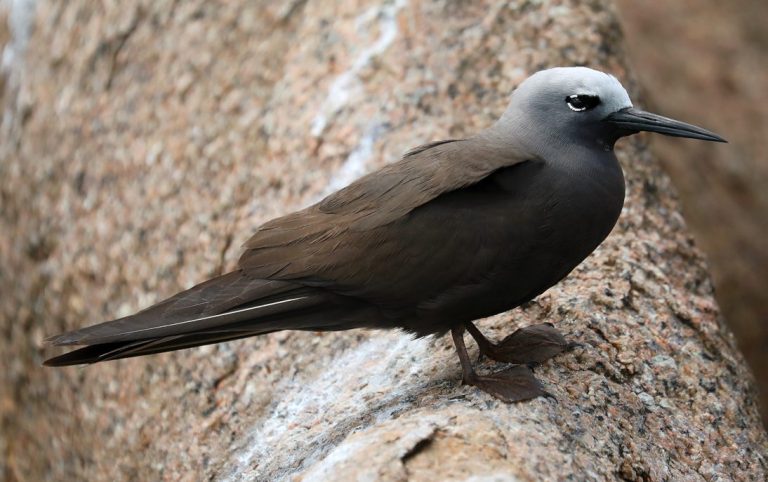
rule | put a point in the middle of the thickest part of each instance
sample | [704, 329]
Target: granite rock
[144, 141]
[723, 189]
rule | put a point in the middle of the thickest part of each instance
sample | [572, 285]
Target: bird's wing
[227, 307]
[218, 301]
[343, 242]
[320, 268]
[381, 197]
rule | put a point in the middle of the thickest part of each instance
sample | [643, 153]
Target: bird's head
[585, 106]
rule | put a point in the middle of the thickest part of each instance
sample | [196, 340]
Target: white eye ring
[582, 102]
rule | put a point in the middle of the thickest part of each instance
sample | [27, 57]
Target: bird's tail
[224, 308]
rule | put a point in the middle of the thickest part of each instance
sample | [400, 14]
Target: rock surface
[148, 139]
[723, 189]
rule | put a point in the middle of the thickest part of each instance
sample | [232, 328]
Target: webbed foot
[529, 345]
[513, 384]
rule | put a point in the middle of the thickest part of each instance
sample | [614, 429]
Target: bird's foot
[514, 384]
[530, 345]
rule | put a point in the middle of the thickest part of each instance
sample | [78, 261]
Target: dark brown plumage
[455, 231]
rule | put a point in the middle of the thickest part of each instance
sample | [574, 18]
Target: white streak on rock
[20, 20]
[356, 163]
[348, 83]
[407, 435]
[306, 424]
[22, 12]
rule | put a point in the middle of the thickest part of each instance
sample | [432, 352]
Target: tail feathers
[123, 331]
[127, 349]
[228, 298]
[116, 350]
[225, 308]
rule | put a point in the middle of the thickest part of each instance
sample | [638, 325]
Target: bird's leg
[468, 373]
[511, 385]
[532, 344]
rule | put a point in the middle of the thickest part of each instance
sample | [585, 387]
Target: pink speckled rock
[724, 190]
[148, 139]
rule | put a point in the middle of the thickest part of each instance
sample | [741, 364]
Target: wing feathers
[204, 305]
[306, 270]
[296, 246]
[228, 306]
[204, 322]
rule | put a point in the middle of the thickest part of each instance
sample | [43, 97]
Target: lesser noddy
[456, 230]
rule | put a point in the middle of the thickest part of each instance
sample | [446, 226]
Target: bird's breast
[567, 212]
[585, 203]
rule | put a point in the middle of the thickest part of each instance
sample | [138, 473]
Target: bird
[455, 231]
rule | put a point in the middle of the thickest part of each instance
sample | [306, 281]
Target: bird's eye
[582, 102]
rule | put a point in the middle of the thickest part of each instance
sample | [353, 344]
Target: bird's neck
[545, 143]
[588, 160]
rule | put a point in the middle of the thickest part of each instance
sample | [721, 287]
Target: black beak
[635, 120]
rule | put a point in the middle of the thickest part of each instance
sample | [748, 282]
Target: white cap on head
[551, 86]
